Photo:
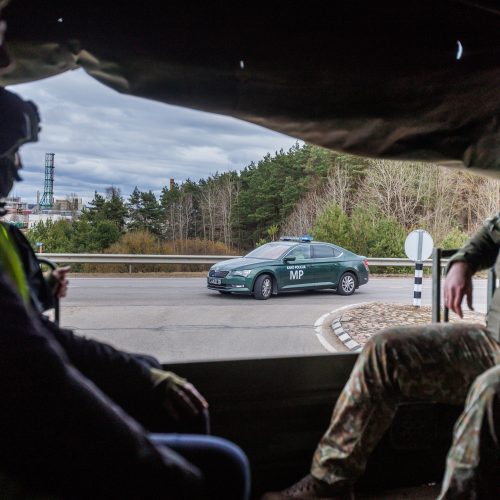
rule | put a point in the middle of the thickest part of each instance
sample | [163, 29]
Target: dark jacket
[71, 406]
[124, 377]
[59, 431]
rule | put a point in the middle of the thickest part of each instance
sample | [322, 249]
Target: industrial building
[25, 215]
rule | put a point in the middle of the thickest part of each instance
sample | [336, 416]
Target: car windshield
[269, 251]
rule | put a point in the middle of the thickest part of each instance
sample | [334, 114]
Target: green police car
[290, 264]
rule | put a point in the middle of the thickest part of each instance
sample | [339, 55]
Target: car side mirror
[288, 259]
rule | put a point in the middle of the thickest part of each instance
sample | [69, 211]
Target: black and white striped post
[418, 246]
[419, 271]
[417, 284]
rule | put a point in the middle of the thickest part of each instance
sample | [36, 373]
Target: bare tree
[399, 189]
[228, 194]
[184, 215]
[209, 203]
[484, 202]
[443, 204]
[301, 220]
[218, 198]
[339, 187]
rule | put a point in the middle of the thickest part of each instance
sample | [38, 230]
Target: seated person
[68, 404]
[172, 394]
[445, 363]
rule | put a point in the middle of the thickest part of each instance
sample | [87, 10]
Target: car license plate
[214, 281]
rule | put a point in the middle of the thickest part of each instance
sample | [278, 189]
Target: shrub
[333, 225]
[454, 239]
[145, 243]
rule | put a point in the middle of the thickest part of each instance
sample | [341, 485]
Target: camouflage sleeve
[481, 251]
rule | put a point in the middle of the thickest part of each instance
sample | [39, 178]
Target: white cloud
[102, 138]
[203, 154]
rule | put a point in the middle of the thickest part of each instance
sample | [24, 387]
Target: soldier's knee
[371, 348]
[489, 381]
[380, 341]
[375, 350]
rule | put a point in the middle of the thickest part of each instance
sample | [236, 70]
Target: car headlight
[243, 273]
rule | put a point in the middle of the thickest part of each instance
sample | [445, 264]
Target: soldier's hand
[60, 281]
[458, 283]
[179, 397]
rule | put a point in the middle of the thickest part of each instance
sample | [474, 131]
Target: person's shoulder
[17, 235]
[493, 223]
[12, 229]
[492, 226]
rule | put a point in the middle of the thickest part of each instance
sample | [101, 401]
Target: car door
[298, 273]
[327, 268]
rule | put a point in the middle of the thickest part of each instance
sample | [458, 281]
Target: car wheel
[263, 287]
[347, 284]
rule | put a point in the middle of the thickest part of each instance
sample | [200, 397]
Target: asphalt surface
[179, 319]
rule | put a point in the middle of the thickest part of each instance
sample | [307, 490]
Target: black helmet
[19, 122]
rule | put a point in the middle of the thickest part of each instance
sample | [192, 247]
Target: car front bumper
[237, 284]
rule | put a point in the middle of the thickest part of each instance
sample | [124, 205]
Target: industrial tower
[47, 201]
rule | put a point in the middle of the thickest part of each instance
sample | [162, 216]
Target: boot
[310, 488]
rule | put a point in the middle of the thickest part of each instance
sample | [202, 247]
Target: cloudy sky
[102, 138]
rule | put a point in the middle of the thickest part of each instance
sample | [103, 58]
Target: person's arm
[59, 431]
[138, 385]
[123, 377]
[480, 252]
[458, 284]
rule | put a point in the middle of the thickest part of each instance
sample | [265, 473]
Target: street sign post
[418, 247]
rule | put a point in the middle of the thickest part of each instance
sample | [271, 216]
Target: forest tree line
[367, 206]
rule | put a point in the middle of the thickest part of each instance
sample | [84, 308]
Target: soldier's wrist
[165, 378]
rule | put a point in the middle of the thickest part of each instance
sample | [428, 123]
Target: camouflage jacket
[481, 252]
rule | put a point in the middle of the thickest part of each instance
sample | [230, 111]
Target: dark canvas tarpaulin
[406, 80]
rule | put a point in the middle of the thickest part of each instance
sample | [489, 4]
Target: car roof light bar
[306, 238]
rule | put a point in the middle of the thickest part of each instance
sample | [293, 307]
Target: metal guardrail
[98, 258]
[392, 262]
[130, 259]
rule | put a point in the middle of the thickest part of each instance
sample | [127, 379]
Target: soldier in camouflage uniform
[445, 363]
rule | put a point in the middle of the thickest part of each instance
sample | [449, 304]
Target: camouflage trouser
[428, 363]
[473, 465]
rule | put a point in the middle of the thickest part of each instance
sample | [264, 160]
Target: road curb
[340, 333]
[344, 337]
[330, 325]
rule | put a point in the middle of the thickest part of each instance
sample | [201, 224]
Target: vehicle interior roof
[403, 80]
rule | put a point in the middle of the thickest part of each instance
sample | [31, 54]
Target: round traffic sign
[418, 245]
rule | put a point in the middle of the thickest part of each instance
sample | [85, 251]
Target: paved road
[179, 319]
